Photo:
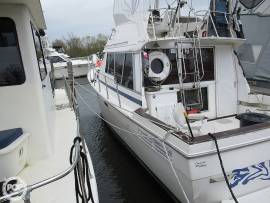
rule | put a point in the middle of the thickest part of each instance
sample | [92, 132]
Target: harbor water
[120, 177]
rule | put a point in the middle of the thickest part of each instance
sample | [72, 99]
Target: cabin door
[226, 85]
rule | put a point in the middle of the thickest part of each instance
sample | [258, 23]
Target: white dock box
[13, 152]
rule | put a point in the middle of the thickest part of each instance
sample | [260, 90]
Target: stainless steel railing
[198, 19]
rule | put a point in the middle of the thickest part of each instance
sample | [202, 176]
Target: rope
[173, 169]
[81, 177]
[222, 167]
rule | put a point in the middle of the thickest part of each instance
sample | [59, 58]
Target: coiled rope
[82, 176]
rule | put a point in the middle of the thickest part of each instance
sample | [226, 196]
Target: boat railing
[70, 89]
[75, 160]
[106, 78]
[198, 24]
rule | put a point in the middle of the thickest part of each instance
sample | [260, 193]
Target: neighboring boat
[80, 65]
[254, 53]
[40, 146]
[172, 85]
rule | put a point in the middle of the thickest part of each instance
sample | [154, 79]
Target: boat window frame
[133, 71]
[122, 67]
[18, 51]
[51, 59]
[107, 68]
[35, 33]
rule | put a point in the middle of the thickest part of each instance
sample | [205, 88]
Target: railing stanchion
[119, 99]
[106, 86]
[213, 23]
[153, 25]
[99, 88]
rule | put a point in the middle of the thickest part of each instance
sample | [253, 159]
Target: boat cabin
[27, 106]
[187, 75]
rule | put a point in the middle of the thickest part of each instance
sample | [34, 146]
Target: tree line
[75, 46]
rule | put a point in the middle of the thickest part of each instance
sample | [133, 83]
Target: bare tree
[76, 46]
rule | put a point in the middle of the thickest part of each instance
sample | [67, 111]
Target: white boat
[173, 90]
[41, 149]
[60, 60]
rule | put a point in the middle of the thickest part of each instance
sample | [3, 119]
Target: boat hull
[199, 181]
[78, 71]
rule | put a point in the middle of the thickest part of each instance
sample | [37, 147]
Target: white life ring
[159, 66]
[91, 75]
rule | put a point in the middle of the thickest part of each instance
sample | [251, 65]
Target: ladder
[190, 52]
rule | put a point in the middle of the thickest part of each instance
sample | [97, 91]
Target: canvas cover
[255, 53]
[124, 11]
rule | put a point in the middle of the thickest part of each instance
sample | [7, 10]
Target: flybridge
[160, 20]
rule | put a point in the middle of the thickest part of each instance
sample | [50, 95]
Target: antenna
[156, 6]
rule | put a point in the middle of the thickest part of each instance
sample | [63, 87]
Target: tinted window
[39, 53]
[208, 64]
[110, 64]
[56, 59]
[192, 97]
[119, 64]
[127, 79]
[173, 78]
[251, 3]
[11, 67]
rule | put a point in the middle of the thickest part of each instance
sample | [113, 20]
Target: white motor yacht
[173, 90]
[43, 158]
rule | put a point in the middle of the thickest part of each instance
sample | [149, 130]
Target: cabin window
[110, 63]
[127, 79]
[39, 53]
[207, 59]
[56, 59]
[119, 64]
[11, 66]
[192, 99]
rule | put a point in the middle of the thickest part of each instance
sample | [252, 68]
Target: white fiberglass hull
[199, 173]
[78, 71]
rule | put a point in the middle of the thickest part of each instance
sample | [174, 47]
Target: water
[120, 177]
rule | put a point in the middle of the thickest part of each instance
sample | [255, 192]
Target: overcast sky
[80, 17]
[84, 17]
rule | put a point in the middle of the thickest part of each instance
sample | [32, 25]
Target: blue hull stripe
[137, 101]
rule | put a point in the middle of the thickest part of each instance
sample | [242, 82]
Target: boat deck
[65, 131]
[227, 127]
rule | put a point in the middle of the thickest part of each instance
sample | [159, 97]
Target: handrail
[201, 17]
[31, 188]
